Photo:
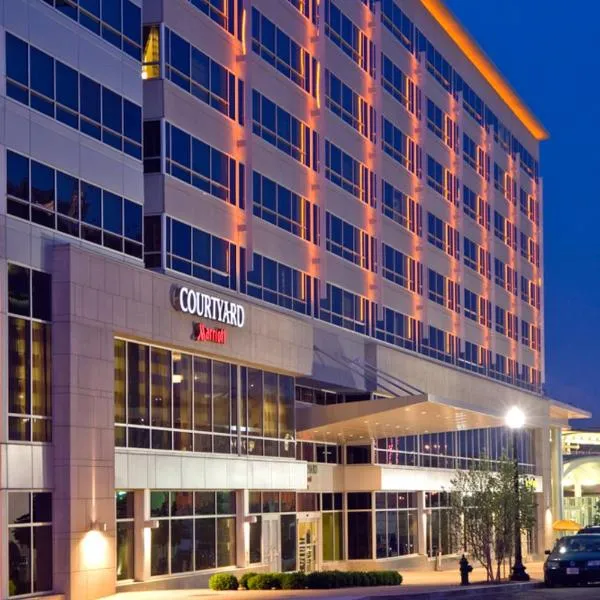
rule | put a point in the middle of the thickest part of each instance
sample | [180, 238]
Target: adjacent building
[271, 272]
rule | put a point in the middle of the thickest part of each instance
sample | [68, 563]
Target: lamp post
[515, 419]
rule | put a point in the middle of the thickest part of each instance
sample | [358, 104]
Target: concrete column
[422, 524]
[556, 463]
[242, 542]
[82, 429]
[548, 508]
[577, 489]
[142, 536]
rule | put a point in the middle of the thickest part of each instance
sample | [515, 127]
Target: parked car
[590, 529]
[575, 559]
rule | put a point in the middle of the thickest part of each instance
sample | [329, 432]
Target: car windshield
[578, 543]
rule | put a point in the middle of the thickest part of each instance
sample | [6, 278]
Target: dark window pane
[42, 73]
[182, 545]
[132, 21]
[359, 535]
[205, 543]
[41, 291]
[159, 551]
[67, 91]
[17, 176]
[67, 195]
[90, 98]
[112, 213]
[132, 121]
[125, 551]
[19, 560]
[124, 504]
[91, 203]
[288, 542]
[133, 221]
[17, 59]
[226, 541]
[112, 110]
[159, 504]
[42, 185]
[18, 508]
[19, 301]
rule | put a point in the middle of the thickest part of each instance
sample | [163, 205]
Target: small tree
[484, 510]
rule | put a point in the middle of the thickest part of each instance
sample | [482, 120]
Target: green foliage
[293, 581]
[265, 581]
[324, 580]
[484, 506]
[245, 577]
[12, 588]
[223, 581]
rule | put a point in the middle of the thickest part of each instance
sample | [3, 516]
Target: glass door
[308, 544]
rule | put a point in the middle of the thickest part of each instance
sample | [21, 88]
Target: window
[203, 77]
[196, 531]
[471, 255]
[530, 292]
[193, 161]
[499, 273]
[124, 510]
[525, 333]
[485, 312]
[402, 209]
[500, 320]
[444, 291]
[349, 174]
[29, 355]
[351, 243]
[279, 284]
[284, 131]
[442, 125]
[440, 345]
[119, 22]
[345, 309]
[225, 13]
[476, 157]
[359, 525]
[512, 326]
[396, 523]
[307, 8]
[472, 103]
[476, 207]
[398, 329]
[443, 236]
[349, 106]
[169, 400]
[437, 65]
[283, 53]
[57, 200]
[349, 38]
[194, 252]
[530, 249]
[471, 305]
[332, 527]
[151, 54]
[398, 23]
[400, 86]
[284, 208]
[400, 147]
[29, 542]
[476, 257]
[440, 539]
[402, 270]
[529, 206]
[512, 279]
[57, 91]
[442, 180]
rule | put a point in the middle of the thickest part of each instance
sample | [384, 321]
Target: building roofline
[485, 66]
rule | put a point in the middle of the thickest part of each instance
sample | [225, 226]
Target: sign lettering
[209, 307]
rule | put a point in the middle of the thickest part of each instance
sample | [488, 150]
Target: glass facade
[170, 400]
[29, 355]
[197, 531]
[124, 509]
[29, 543]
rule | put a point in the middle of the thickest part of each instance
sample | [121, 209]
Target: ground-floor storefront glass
[396, 523]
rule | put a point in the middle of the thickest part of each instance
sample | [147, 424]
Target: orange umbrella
[566, 525]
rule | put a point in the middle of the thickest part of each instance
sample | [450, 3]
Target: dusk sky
[550, 56]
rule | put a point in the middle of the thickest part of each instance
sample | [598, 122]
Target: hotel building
[270, 272]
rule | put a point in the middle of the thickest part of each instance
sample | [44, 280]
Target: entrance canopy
[390, 417]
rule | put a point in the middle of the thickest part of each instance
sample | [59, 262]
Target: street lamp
[515, 419]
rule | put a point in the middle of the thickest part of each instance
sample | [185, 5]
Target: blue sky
[549, 54]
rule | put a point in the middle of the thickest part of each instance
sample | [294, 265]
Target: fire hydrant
[465, 569]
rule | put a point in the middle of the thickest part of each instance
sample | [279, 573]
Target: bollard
[465, 569]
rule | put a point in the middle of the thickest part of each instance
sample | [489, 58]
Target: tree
[483, 512]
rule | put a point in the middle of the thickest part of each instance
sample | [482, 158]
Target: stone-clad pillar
[83, 424]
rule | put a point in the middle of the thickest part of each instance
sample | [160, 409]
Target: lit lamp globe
[515, 418]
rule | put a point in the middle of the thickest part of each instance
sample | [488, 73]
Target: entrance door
[271, 542]
[308, 544]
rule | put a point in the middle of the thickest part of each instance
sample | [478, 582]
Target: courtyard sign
[208, 307]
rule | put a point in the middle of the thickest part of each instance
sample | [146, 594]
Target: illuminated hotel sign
[209, 307]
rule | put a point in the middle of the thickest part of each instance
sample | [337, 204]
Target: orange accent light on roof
[484, 65]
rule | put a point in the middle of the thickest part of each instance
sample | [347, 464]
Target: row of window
[174, 401]
[400, 86]
[36, 79]
[402, 270]
[280, 206]
[119, 22]
[195, 162]
[226, 13]
[209, 258]
[476, 157]
[198, 74]
[48, 197]
[349, 106]
[307, 8]
[406, 32]
[442, 125]
[29, 355]
[284, 131]
[349, 38]
[443, 236]
[478, 308]
[442, 180]
[289, 57]
[401, 147]
[350, 242]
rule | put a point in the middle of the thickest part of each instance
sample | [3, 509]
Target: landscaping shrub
[293, 581]
[223, 581]
[265, 581]
[318, 580]
[245, 577]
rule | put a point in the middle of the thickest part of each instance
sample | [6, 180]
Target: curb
[473, 591]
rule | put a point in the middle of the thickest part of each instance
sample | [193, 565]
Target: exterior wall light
[98, 526]
[250, 519]
[151, 524]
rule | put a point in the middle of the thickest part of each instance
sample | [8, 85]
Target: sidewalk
[417, 584]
